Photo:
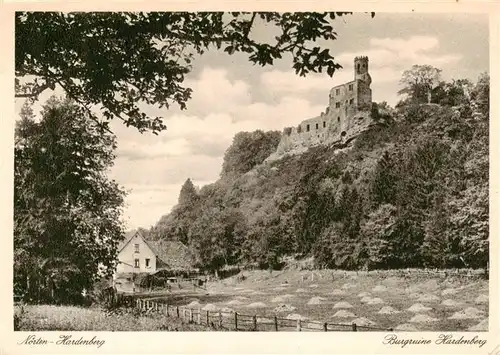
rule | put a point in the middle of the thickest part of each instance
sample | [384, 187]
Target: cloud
[222, 105]
[213, 90]
[402, 53]
[388, 58]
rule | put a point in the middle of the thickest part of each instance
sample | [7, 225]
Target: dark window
[337, 92]
[324, 124]
[136, 263]
[338, 119]
[147, 262]
[337, 104]
[350, 87]
[358, 67]
[307, 128]
[317, 126]
[351, 101]
[136, 248]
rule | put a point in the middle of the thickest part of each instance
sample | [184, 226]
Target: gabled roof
[129, 236]
[169, 254]
[173, 254]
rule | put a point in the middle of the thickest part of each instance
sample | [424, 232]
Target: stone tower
[348, 114]
[364, 80]
[361, 69]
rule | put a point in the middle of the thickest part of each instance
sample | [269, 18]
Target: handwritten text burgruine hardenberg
[442, 339]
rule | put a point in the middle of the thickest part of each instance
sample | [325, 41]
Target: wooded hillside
[410, 192]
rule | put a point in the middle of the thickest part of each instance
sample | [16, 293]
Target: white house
[136, 255]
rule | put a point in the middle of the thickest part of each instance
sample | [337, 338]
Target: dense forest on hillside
[412, 191]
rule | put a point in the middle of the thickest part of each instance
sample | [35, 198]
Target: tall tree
[481, 95]
[188, 194]
[419, 81]
[66, 211]
[118, 59]
[248, 150]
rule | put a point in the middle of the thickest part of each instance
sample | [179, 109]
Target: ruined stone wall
[364, 94]
[348, 114]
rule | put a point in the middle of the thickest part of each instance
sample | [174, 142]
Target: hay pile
[342, 305]
[482, 299]
[364, 322]
[375, 301]
[451, 303]
[344, 314]
[418, 307]
[210, 307]
[388, 310]
[449, 291]
[338, 292]
[194, 304]
[468, 313]
[295, 316]
[316, 300]
[481, 327]
[235, 303]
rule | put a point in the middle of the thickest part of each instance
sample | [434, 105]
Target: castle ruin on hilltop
[348, 114]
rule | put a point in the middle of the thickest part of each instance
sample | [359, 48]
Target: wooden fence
[244, 322]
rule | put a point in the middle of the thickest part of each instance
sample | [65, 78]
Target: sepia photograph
[251, 172]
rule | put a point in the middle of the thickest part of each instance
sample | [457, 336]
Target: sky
[230, 95]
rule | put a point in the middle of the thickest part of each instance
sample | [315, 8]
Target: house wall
[128, 255]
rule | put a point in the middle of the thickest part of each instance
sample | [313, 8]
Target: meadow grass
[71, 318]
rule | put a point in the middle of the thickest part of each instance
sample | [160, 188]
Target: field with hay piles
[385, 299]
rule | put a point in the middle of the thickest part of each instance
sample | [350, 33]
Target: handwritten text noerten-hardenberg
[62, 340]
[441, 339]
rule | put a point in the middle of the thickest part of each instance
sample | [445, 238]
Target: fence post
[325, 326]
[166, 309]
[191, 315]
[156, 307]
[235, 320]
[299, 325]
[354, 328]
[275, 323]
[177, 309]
[220, 319]
[208, 318]
[199, 315]
[254, 323]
